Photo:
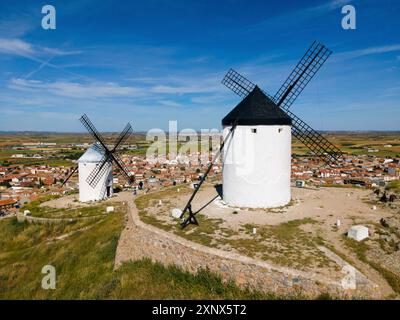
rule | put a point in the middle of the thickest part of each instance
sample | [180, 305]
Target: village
[23, 183]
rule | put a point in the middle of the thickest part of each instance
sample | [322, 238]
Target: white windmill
[256, 166]
[87, 163]
[95, 165]
[257, 139]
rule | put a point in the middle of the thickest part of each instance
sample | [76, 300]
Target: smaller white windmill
[95, 165]
[88, 163]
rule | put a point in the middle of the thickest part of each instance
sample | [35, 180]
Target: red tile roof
[7, 202]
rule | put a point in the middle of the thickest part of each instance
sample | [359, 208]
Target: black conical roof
[256, 109]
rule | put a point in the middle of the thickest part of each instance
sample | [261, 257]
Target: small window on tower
[254, 130]
[280, 130]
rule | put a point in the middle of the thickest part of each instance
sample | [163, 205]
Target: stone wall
[139, 240]
[41, 220]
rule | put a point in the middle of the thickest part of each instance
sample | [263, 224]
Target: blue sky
[152, 61]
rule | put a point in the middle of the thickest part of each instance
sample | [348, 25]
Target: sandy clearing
[325, 205]
[71, 201]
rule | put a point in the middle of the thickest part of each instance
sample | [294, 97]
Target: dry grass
[84, 264]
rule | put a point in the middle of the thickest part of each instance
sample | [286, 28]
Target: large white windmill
[95, 165]
[256, 164]
[257, 139]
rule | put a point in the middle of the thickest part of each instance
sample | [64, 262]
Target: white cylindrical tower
[92, 158]
[257, 156]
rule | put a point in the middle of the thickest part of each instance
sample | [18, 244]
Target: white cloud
[325, 8]
[188, 84]
[60, 52]
[295, 17]
[24, 49]
[170, 103]
[11, 112]
[16, 25]
[20, 47]
[336, 3]
[214, 99]
[178, 89]
[16, 47]
[391, 92]
[374, 50]
[56, 116]
[74, 89]
[367, 51]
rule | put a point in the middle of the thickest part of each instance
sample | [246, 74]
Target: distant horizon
[198, 131]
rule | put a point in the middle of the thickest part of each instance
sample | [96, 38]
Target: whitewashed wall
[86, 192]
[256, 170]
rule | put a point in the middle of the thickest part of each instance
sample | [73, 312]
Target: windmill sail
[123, 136]
[239, 84]
[69, 176]
[121, 165]
[302, 74]
[92, 130]
[313, 140]
[98, 172]
[109, 155]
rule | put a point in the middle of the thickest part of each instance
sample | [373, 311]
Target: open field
[355, 143]
[7, 138]
[359, 143]
[58, 155]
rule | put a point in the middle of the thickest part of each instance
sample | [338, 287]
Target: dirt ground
[326, 205]
[290, 235]
[71, 201]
